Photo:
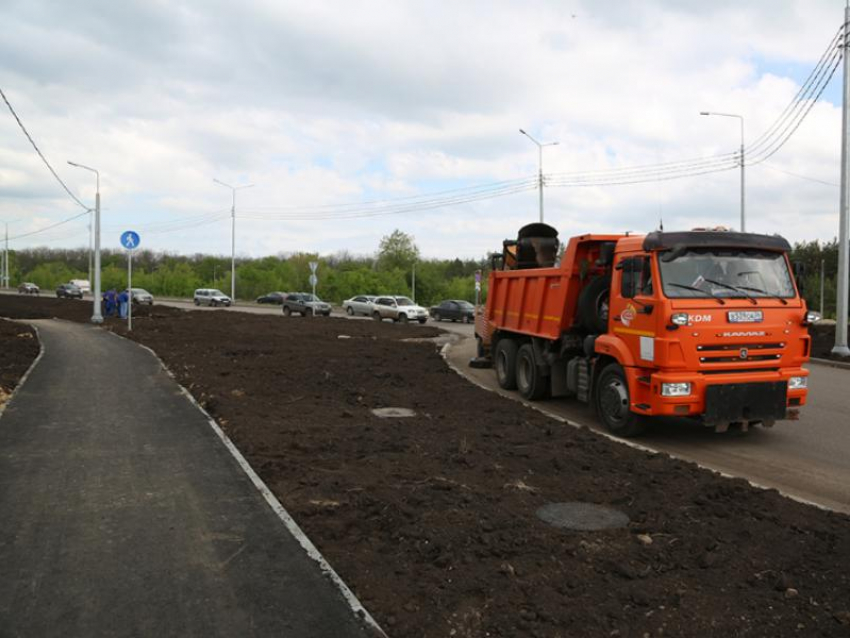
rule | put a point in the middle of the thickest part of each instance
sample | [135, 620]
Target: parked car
[398, 309]
[453, 309]
[28, 288]
[302, 303]
[272, 297]
[211, 297]
[69, 291]
[142, 296]
[83, 284]
[360, 305]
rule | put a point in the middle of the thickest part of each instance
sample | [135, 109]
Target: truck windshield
[713, 272]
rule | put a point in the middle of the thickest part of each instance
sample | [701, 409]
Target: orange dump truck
[702, 324]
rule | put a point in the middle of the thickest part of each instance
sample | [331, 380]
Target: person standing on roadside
[123, 303]
[110, 302]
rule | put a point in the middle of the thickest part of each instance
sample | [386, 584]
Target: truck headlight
[798, 383]
[679, 319]
[811, 317]
[675, 389]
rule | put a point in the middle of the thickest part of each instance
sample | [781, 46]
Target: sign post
[130, 242]
[313, 281]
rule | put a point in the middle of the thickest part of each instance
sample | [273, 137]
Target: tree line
[391, 271]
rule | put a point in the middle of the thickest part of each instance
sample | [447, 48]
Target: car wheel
[350, 311]
[530, 383]
[327, 314]
[376, 316]
[613, 403]
[505, 355]
[437, 317]
[423, 320]
[286, 311]
[467, 319]
[403, 318]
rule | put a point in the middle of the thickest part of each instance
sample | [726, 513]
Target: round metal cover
[582, 516]
[393, 413]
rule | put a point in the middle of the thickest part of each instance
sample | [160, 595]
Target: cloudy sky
[328, 106]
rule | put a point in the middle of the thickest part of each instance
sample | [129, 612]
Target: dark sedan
[69, 291]
[272, 297]
[453, 310]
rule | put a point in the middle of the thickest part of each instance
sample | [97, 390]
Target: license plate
[745, 316]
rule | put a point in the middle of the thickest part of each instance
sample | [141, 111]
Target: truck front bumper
[723, 398]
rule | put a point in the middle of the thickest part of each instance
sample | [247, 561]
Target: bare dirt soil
[18, 349]
[431, 518]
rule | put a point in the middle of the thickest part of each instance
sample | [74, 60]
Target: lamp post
[741, 118]
[96, 316]
[841, 298]
[540, 173]
[232, 236]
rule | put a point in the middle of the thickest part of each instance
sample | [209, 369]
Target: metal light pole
[232, 236]
[96, 317]
[840, 347]
[4, 280]
[540, 173]
[740, 117]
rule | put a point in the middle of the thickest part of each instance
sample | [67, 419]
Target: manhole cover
[582, 516]
[393, 413]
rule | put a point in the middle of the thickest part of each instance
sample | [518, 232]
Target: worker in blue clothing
[123, 303]
[111, 300]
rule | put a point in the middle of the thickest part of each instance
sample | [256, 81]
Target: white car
[211, 297]
[359, 305]
[398, 309]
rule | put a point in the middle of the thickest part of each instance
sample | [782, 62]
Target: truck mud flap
[734, 402]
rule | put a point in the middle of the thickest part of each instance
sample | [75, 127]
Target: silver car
[398, 309]
[360, 305]
[142, 296]
[211, 297]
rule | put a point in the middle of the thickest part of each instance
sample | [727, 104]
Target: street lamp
[232, 236]
[96, 316]
[540, 174]
[740, 117]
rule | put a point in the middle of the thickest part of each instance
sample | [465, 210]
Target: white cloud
[326, 103]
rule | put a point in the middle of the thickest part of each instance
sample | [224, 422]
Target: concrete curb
[444, 353]
[350, 598]
[830, 363]
[29, 370]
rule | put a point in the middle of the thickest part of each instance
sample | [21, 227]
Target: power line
[46, 228]
[798, 176]
[40, 154]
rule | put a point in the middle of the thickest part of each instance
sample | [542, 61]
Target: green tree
[397, 250]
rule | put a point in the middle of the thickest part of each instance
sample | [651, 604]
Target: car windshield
[140, 291]
[216, 293]
[404, 301]
[465, 305]
[713, 272]
[309, 297]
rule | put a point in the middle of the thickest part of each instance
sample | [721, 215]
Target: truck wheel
[593, 305]
[613, 403]
[506, 363]
[530, 383]
[287, 311]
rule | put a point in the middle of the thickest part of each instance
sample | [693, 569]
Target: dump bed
[542, 302]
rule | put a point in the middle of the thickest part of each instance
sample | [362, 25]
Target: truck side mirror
[628, 277]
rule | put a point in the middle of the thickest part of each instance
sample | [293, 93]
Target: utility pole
[741, 118]
[540, 165]
[232, 236]
[822, 265]
[96, 316]
[5, 278]
[840, 347]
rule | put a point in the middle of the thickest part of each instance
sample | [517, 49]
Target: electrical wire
[798, 176]
[46, 228]
[40, 154]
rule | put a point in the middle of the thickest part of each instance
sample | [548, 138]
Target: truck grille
[740, 353]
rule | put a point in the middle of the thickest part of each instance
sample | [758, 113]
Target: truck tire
[613, 404]
[593, 305]
[530, 383]
[505, 356]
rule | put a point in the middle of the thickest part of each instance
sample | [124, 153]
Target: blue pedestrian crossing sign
[130, 240]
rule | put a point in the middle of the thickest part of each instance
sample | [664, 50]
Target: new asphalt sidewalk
[123, 514]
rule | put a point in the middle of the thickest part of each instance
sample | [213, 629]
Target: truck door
[632, 306]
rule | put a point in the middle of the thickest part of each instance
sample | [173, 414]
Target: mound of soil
[18, 349]
[431, 519]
